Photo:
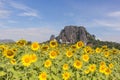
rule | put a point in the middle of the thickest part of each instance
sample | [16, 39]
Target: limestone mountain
[72, 34]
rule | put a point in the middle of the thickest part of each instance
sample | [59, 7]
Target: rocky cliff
[72, 34]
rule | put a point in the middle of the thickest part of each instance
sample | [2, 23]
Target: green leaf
[55, 77]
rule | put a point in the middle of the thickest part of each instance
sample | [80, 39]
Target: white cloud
[114, 14]
[4, 13]
[27, 11]
[107, 23]
[12, 21]
[32, 34]
[28, 14]
[24, 10]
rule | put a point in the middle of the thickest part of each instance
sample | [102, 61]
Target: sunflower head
[65, 67]
[98, 50]
[43, 76]
[13, 61]
[2, 47]
[85, 57]
[102, 63]
[88, 50]
[92, 67]
[14, 49]
[33, 57]
[53, 54]
[114, 51]
[21, 42]
[79, 44]
[9, 53]
[86, 71]
[26, 60]
[77, 64]
[106, 53]
[69, 54]
[47, 63]
[111, 65]
[104, 47]
[45, 48]
[35, 46]
[73, 47]
[53, 43]
[66, 75]
[107, 71]
[102, 68]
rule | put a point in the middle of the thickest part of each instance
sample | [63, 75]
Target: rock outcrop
[52, 37]
[72, 34]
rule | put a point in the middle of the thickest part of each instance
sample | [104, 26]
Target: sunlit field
[54, 61]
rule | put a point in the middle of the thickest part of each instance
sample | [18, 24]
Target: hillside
[72, 34]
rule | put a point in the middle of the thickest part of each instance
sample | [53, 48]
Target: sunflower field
[53, 61]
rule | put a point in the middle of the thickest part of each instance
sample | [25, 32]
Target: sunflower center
[79, 44]
[92, 67]
[53, 54]
[53, 43]
[27, 60]
[10, 53]
[45, 48]
[77, 63]
[35, 45]
[66, 75]
[43, 76]
[47, 63]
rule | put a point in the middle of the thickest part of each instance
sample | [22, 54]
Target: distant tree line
[98, 43]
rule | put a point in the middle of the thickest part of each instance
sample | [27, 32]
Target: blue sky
[37, 20]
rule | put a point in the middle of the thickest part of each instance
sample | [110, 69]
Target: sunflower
[97, 50]
[33, 57]
[88, 50]
[86, 71]
[107, 71]
[111, 65]
[77, 64]
[47, 63]
[9, 53]
[114, 51]
[66, 75]
[69, 54]
[21, 42]
[65, 67]
[104, 47]
[14, 49]
[13, 61]
[73, 47]
[53, 54]
[102, 69]
[35, 46]
[106, 53]
[85, 57]
[43, 76]
[53, 43]
[79, 44]
[2, 47]
[92, 67]
[102, 63]
[45, 48]
[26, 60]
